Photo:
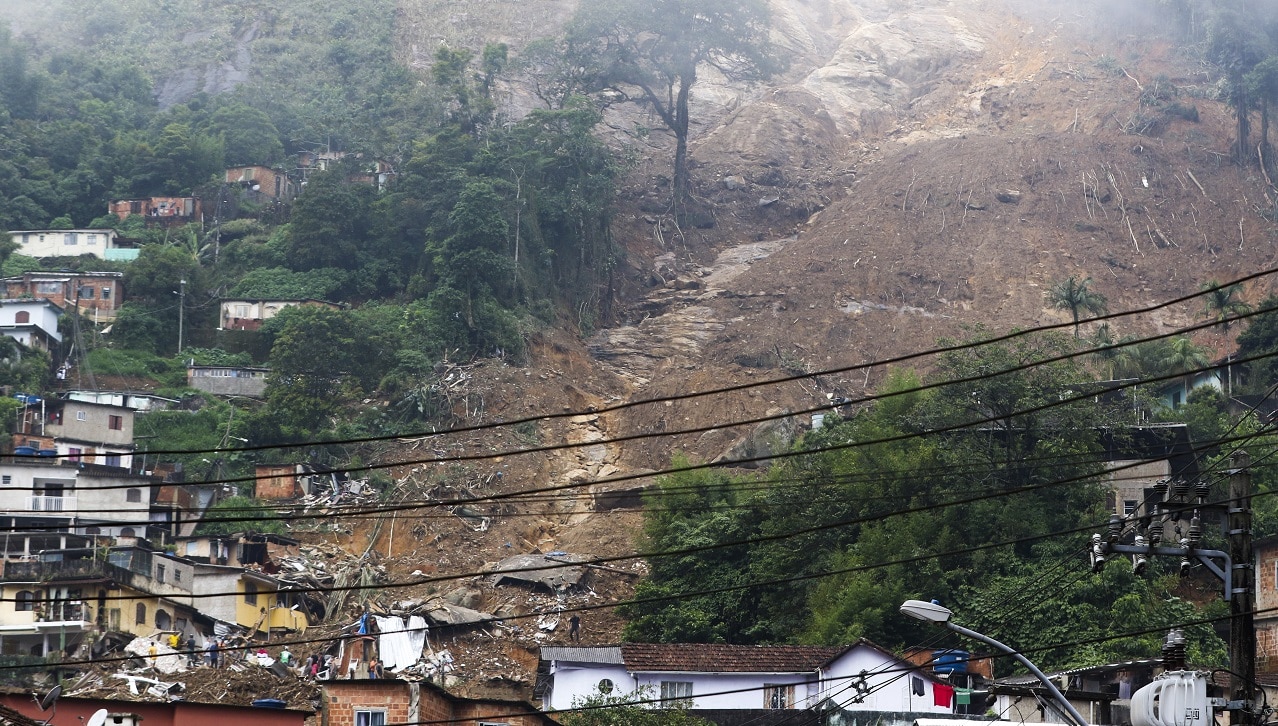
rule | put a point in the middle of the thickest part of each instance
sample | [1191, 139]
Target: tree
[1076, 297]
[657, 46]
[1223, 303]
[605, 708]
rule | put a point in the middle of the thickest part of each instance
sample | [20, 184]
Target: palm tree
[1223, 303]
[1076, 296]
[1180, 355]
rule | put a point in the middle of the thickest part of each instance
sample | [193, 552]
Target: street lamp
[933, 612]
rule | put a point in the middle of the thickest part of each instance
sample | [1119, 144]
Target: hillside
[920, 168]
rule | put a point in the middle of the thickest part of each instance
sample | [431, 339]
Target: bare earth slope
[923, 166]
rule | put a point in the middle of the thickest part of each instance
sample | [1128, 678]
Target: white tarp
[417, 632]
[395, 645]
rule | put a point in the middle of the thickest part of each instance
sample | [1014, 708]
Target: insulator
[1138, 560]
[1184, 561]
[1174, 651]
[1160, 487]
[1155, 533]
[1097, 553]
[1202, 490]
[1115, 528]
[1180, 489]
[1195, 529]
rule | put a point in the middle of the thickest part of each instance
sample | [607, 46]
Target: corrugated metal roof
[606, 654]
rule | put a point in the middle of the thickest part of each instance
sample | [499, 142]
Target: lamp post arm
[1051, 687]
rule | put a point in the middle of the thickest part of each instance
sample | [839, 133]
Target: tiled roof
[705, 658]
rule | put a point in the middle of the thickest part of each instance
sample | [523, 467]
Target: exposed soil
[841, 227]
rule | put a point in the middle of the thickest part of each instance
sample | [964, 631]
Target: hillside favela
[638, 363]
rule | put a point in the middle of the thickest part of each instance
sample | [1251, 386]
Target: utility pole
[1242, 598]
[181, 310]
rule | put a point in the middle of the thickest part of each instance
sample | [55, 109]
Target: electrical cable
[936, 351]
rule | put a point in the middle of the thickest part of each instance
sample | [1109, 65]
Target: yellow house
[260, 605]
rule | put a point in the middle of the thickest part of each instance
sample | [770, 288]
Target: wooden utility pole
[1242, 597]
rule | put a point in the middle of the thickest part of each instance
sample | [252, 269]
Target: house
[1102, 694]
[251, 600]
[1138, 457]
[138, 401]
[712, 678]
[42, 493]
[104, 244]
[80, 431]
[159, 210]
[228, 380]
[75, 594]
[262, 182]
[377, 173]
[74, 711]
[378, 702]
[250, 314]
[1175, 392]
[33, 323]
[94, 294]
[1266, 618]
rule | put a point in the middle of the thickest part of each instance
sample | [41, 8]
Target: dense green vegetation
[961, 492]
[485, 230]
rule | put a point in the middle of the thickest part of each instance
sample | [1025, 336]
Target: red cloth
[942, 694]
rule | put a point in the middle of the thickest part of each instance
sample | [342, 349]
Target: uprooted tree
[656, 46]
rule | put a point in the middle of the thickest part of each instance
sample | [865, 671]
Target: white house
[74, 497]
[31, 322]
[101, 243]
[860, 677]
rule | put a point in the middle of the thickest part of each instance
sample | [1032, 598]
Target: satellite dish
[98, 718]
[50, 698]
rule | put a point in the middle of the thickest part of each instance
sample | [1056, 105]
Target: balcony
[51, 504]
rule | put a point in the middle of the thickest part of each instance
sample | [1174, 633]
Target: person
[174, 640]
[574, 628]
[286, 657]
[216, 651]
[190, 650]
[210, 652]
[151, 652]
[375, 668]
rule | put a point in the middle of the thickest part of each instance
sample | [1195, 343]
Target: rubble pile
[328, 568]
[239, 682]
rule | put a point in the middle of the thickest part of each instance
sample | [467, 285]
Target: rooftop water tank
[949, 661]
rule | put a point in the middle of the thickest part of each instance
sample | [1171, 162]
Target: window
[73, 453]
[48, 288]
[92, 531]
[140, 617]
[26, 601]
[177, 575]
[85, 292]
[370, 718]
[159, 576]
[93, 239]
[1129, 507]
[778, 696]
[106, 293]
[81, 416]
[162, 620]
[114, 460]
[250, 598]
[68, 238]
[6, 480]
[115, 423]
[22, 316]
[127, 532]
[677, 691]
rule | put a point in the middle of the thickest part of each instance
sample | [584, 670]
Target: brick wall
[1266, 601]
